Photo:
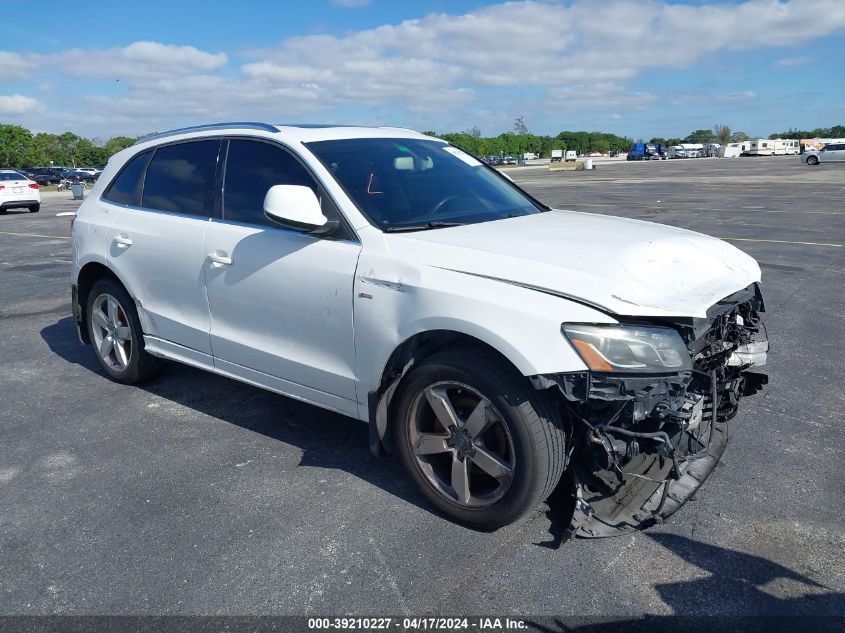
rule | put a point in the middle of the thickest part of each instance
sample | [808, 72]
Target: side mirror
[297, 207]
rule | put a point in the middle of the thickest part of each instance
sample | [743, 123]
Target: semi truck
[646, 151]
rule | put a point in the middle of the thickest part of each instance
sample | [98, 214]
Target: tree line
[515, 144]
[837, 131]
[20, 148]
[723, 134]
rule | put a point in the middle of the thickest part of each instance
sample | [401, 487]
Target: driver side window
[252, 167]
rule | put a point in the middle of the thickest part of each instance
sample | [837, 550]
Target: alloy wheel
[461, 444]
[112, 332]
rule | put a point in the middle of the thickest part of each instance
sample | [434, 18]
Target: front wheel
[813, 160]
[480, 443]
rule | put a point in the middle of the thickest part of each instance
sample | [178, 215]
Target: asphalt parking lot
[199, 495]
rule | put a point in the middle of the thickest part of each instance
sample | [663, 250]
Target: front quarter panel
[395, 300]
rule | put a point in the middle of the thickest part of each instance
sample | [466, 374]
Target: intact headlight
[629, 348]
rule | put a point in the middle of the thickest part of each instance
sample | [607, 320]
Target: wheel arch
[411, 351]
[88, 275]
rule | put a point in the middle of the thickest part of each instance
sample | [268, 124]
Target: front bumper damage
[640, 446]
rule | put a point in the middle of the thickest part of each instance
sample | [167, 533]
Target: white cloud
[549, 46]
[14, 105]
[140, 60]
[14, 66]
[507, 58]
[792, 62]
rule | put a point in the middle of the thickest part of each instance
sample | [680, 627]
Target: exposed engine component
[641, 445]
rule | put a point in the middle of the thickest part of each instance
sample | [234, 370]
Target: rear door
[280, 299]
[156, 243]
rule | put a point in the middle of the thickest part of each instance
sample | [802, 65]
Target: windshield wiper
[421, 227]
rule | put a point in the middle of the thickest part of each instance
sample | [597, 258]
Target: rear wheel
[35, 208]
[812, 160]
[116, 336]
[480, 443]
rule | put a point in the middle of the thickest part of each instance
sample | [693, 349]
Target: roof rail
[211, 126]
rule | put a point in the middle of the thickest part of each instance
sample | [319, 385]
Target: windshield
[11, 175]
[419, 184]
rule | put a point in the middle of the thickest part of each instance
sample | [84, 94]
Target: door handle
[219, 258]
[123, 241]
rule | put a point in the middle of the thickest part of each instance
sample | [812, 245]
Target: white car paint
[17, 191]
[318, 319]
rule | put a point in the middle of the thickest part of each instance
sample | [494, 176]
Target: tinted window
[181, 178]
[11, 175]
[126, 188]
[252, 168]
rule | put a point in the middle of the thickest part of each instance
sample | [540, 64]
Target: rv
[787, 147]
[712, 149]
[773, 147]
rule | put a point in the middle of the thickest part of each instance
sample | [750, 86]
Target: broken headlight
[629, 348]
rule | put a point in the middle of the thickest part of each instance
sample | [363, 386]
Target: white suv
[498, 347]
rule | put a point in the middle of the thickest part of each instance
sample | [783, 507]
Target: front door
[280, 299]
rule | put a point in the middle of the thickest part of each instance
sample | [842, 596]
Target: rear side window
[126, 188]
[252, 167]
[181, 178]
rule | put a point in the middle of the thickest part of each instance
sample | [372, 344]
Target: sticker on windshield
[469, 160]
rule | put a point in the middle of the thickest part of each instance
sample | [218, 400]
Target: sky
[639, 68]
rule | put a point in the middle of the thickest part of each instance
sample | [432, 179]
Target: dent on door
[281, 304]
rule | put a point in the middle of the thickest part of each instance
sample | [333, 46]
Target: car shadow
[327, 440]
[734, 593]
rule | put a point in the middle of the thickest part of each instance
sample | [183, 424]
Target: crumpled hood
[627, 267]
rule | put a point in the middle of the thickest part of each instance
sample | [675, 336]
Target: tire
[123, 328]
[35, 208]
[813, 160]
[523, 432]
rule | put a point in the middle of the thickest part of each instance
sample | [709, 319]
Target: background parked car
[90, 170]
[830, 153]
[18, 192]
[75, 175]
[45, 175]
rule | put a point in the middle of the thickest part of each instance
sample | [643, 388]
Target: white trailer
[774, 147]
[761, 147]
[731, 150]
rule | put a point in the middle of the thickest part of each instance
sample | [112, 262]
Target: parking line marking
[748, 239]
[49, 237]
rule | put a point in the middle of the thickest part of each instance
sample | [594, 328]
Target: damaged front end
[643, 441]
